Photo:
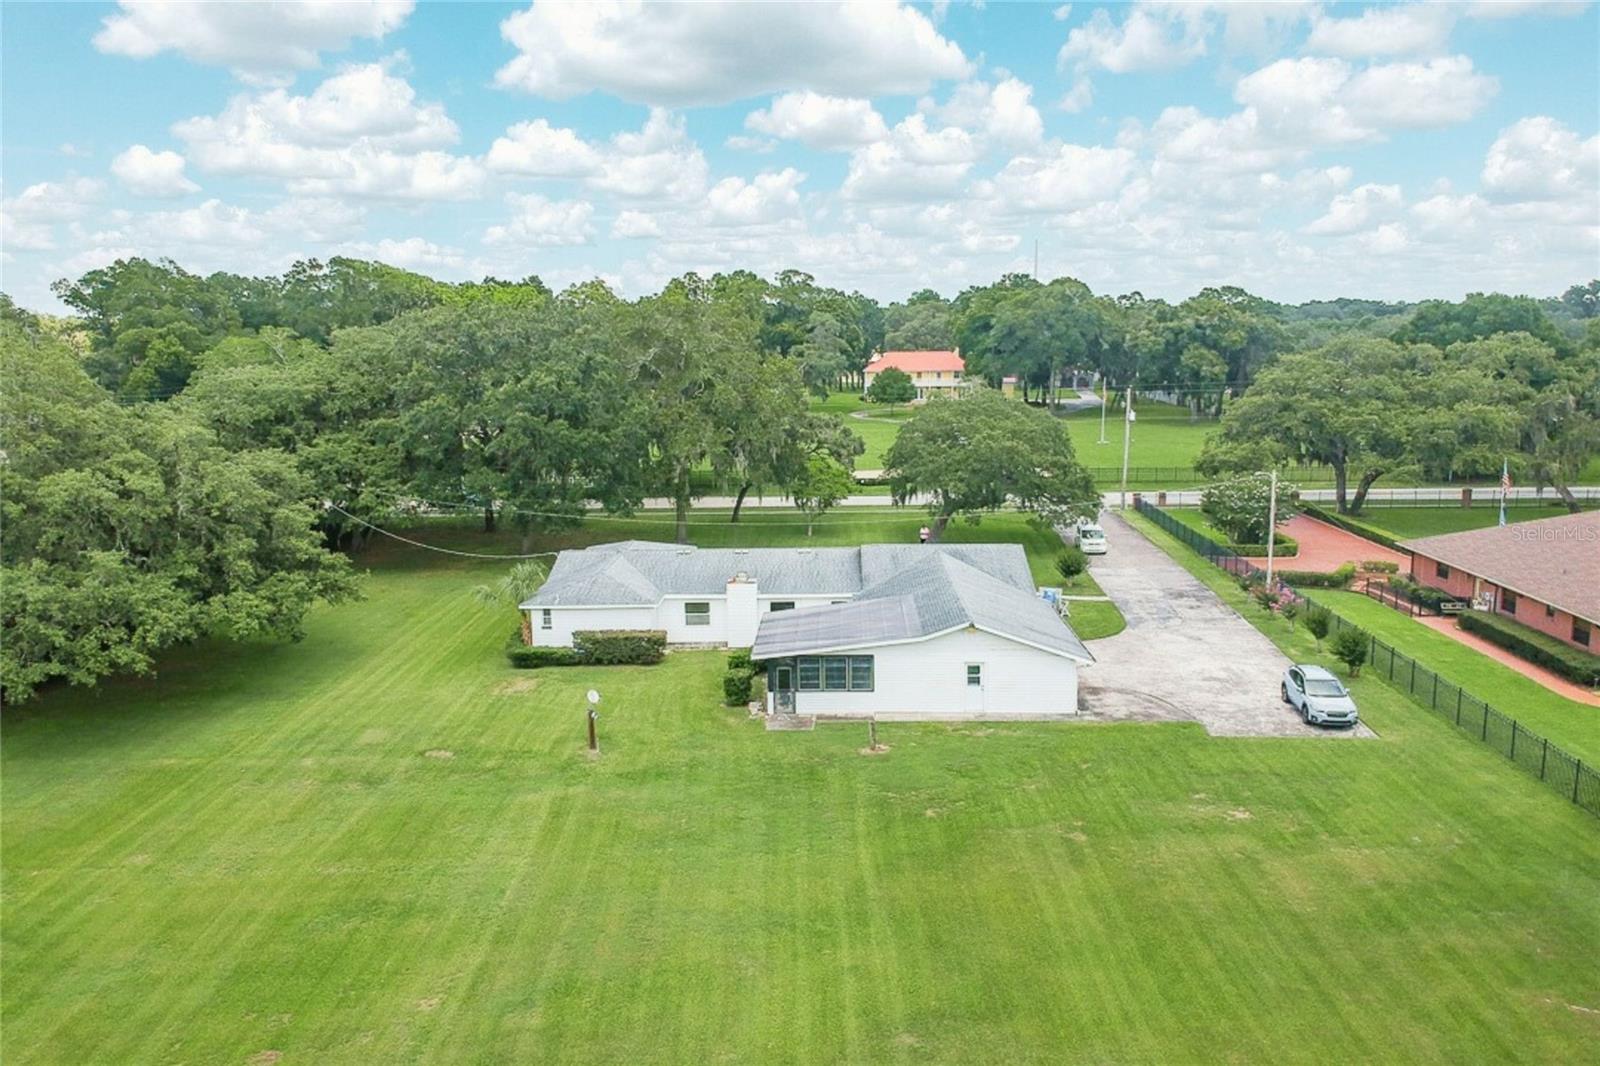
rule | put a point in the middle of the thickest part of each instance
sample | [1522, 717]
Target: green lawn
[1573, 725]
[382, 845]
[1407, 522]
[1163, 436]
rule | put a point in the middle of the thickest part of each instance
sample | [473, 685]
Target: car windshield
[1092, 534]
[1315, 687]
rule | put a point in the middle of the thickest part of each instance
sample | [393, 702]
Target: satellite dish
[594, 698]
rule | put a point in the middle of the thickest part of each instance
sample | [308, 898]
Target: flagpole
[1505, 485]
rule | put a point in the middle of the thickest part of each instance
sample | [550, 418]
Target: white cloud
[677, 54]
[759, 145]
[256, 39]
[1440, 92]
[1447, 217]
[1540, 159]
[829, 123]
[412, 253]
[55, 201]
[1070, 178]
[147, 173]
[913, 163]
[361, 132]
[537, 149]
[1144, 41]
[1079, 97]
[660, 162]
[74, 151]
[1388, 239]
[541, 222]
[1002, 112]
[1406, 29]
[1357, 209]
[768, 197]
[634, 224]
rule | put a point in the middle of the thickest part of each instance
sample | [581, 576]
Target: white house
[932, 372]
[885, 630]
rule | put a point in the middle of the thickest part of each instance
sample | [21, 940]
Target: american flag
[1505, 477]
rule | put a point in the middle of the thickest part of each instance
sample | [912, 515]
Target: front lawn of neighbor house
[381, 844]
[1411, 523]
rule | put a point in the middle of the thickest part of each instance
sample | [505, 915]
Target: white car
[1091, 539]
[1318, 696]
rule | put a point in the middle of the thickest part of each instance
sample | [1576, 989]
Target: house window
[975, 673]
[782, 605]
[1549, 611]
[1508, 601]
[1580, 632]
[835, 673]
[860, 673]
[545, 621]
[1441, 569]
[697, 614]
[808, 674]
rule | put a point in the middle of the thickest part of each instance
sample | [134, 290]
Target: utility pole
[1127, 443]
[1105, 401]
[1272, 526]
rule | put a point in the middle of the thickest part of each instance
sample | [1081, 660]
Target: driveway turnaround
[1186, 655]
[1325, 548]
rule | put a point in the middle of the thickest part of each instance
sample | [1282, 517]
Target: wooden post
[872, 733]
[594, 743]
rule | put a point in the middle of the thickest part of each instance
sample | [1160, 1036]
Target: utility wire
[431, 547]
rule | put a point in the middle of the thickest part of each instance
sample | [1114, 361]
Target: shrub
[1239, 506]
[736, 687]
[525, 658]
[1424, 595]
[1266, 597]
[620, 647]
[1318, 621]
[1312, 579]
[1380, 566]
[1071, 563]
[1350, 648]
[739, 659]
[1290, 611]
[1283, 547]
[1541, 649]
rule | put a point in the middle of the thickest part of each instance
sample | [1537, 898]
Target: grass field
[1573, 725]
[1407, 522]
[1163, 435]
[382, 845]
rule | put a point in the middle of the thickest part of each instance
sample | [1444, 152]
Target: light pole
[594, 702]
[1272, 526]
[1127, 442]
[1105, 401]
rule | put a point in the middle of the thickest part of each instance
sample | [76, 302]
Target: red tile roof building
[931, 371]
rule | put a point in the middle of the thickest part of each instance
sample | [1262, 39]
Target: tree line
[188, 455]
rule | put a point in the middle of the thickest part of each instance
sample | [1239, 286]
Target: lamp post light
[594, 702]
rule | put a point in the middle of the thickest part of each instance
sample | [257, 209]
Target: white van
[1091, 538]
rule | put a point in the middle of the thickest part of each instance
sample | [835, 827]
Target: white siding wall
[930, 678]
[667, 615]
[565, 621]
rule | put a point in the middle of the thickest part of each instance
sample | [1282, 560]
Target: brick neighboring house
[1545, 573]
[932, 372]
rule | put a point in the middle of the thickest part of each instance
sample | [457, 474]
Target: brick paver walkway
[1325, 548]
[1554, 682]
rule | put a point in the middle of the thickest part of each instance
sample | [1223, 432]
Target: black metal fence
[1177, 477]
[1559, 769]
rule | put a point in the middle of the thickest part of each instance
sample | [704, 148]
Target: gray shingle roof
[937, 593]
[631, 573]
[1552, 560]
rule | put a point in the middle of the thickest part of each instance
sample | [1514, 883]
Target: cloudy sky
[1299, 150]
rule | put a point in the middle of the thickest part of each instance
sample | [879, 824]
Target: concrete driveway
[1186, 655]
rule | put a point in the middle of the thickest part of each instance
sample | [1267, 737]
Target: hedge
[1283, 547]
[532, 658]
[1335, 519]
[1426, 595]
[1528, 643]
[739, 659]
[1313, 579]
[621, 647]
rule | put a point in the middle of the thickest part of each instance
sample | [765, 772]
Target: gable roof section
[935, 595]
[643, 573]
[919, 362]
[1553, 560]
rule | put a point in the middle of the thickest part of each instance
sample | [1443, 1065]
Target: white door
[974, 687]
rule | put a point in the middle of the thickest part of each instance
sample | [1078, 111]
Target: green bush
[736, 687]
[1283, 547]
[1266, 597]
[1574, 664]
[1350, 648]
[1312, 579]
[525, 658]
[1380, 566]
[620, 647]
[1071, 562]
[1318, 621]
[739, 659]
[1425, 595]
